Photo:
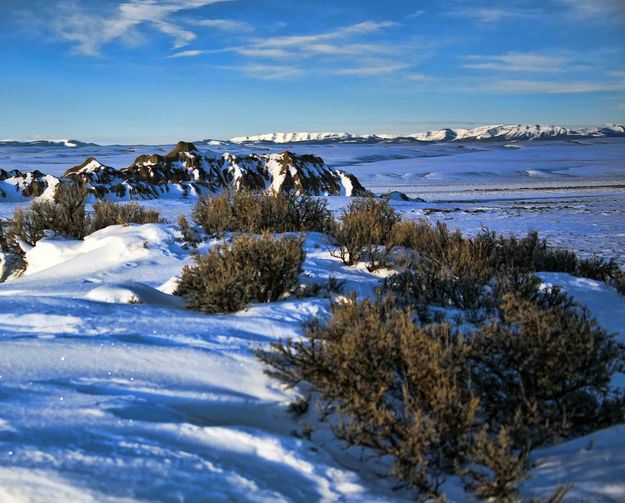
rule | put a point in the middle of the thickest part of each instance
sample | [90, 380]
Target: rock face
[185, 171]
[18, 186]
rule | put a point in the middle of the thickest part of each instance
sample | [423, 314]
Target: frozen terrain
[573, 192]
[110, 391]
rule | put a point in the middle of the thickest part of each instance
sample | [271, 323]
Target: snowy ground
[573, 192]
[102, 399]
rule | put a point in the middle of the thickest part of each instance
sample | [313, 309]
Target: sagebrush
[251, 269]
[66, 215]
[364, 232]
[463, 337]
[256, 212]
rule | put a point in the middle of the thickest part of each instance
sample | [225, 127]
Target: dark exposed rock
[18, 185]
[395, 195]
[185, 170]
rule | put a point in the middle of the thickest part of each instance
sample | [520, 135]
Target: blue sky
[125, 71]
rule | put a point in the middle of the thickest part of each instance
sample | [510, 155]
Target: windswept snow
[102, 398]
[111, 391]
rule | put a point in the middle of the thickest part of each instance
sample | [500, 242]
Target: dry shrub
[65, 215]
[500, 467]
[364, 231]
[106, 213]
[189, 234]
[229, 277]
[538, 369]
[526, 360]
[497, 469]
[388, 385]
[549, 363]
[255, 212]
[447, 269]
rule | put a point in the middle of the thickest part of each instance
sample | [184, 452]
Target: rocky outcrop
[185, 171]
[16, 185]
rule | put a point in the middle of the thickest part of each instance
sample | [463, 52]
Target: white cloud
[418, 77]
[340, 51]
[548, 87]
[415, 14]
[306, 41]
[519, 62]
[371, 70]
[494, 14]
[608, 10]
[270, 72]
[89, 30]
[187, 54]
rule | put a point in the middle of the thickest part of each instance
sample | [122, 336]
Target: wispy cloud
[415, 14]
[547, 72]
[606, 10]
[270, 72]
[494, 14]
[549, 87]
[522, 62]
[306, 42]
[367, 70]
[228, 25]
[355, 50]
[187, 54]
[88, 30]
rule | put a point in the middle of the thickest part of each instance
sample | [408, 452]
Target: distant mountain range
[187, 172]
[483, 133]
[501, 132]
[46, 143]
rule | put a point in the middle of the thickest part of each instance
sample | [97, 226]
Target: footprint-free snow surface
[111, 391]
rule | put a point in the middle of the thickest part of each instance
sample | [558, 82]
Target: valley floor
[106, 399]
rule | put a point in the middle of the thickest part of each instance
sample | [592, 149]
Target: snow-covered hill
[501, 132]
[46, 143]
[185, 171]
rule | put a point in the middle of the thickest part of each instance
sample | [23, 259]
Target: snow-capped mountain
[185, 171]
[500, 132]
[46, 143]
[296, 138]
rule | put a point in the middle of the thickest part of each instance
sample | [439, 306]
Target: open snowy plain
[106, 399]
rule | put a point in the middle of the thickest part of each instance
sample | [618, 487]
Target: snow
[293, 137]
[159, 402]
[111, 391]
[91, 166]
[44, 143]
[501, 132]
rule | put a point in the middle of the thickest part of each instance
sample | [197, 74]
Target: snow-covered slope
[46, 143]
[111, 392]
[500, 132]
